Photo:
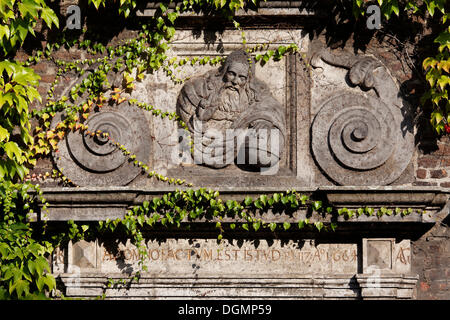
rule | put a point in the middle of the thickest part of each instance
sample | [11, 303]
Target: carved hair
[239, 56]
[242, 57]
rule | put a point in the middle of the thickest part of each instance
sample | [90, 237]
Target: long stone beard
[231, 101]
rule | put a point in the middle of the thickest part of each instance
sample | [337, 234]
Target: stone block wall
[430, 167]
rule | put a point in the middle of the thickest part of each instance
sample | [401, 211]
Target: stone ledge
[266, 8]
[97, 203]
[390, 287]
[358, 286]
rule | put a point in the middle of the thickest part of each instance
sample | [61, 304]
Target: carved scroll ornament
[362, 139]
[94, 161]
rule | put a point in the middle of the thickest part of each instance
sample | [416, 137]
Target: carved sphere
[359, 140]
[95, 161]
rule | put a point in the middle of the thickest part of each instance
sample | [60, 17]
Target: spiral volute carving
[358, 140]
[94, 160]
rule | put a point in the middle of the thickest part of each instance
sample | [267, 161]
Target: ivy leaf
[281, 50]
[29, 7]
[4, 134]
[230, 204]
[4, 32]
[258, 204]
[444, 40]
[4, 250]
[317, 205]
[21, 171]
[303, 199]
[319, 225]
[431, 5]
[248, 201]
[96, 3]
[40, 283]
[172, 16]
[12, 150]
[437, 116]
[443, 81]
[286, 225]
[21, 286]
[272, 226]
[369, 211]
[49, 281]
[276, 197]
[263, 199]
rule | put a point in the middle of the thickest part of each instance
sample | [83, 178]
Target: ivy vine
[25, 245]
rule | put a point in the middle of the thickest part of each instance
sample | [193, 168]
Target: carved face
[236, 76]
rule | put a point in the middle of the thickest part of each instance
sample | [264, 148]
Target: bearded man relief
[232, 116]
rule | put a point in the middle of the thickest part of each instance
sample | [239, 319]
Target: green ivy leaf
[318, 225]
[276, 197]
[49, 17]
[303, 199]
[263, 198]
[258, 204]
[21, 287]
[13, 151]
[317, 205]
[230, 204]
[272, 226]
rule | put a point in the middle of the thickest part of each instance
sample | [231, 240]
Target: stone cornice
[266, 8]
[98, 203]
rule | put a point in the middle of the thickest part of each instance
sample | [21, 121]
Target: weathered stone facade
[349, 139]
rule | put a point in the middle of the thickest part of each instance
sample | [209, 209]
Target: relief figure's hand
[207, 107]
[361, 73]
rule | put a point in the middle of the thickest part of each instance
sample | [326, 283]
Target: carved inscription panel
[205, 257]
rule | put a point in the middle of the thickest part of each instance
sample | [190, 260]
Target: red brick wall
[433, 166]
[431, 261]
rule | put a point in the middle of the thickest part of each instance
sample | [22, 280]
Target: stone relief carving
[225, 109]
[93, 161]
[362, 139]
